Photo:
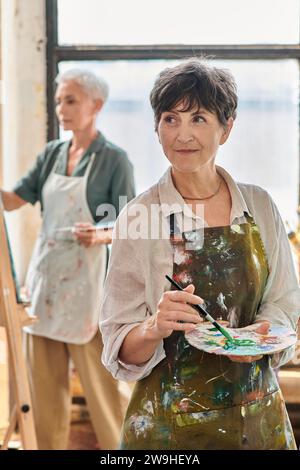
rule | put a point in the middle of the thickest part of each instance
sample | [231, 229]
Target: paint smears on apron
[196, 400]
[65, 279]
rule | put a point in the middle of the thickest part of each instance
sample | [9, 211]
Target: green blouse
[111, 175]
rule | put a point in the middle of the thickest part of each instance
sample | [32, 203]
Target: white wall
[24, 118]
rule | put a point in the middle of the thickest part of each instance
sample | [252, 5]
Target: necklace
[203, 198]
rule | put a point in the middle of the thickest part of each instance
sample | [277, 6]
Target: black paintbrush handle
[198, 307]
[202, 311]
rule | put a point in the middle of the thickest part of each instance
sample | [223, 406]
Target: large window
[125, 42]
[178, 22]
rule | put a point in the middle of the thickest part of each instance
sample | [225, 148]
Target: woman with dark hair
[226, 244]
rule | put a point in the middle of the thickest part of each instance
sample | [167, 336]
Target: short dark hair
[195, 84]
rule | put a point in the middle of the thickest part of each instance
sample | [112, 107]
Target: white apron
[65, 279]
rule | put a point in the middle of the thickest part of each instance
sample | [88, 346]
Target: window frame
[56, 53]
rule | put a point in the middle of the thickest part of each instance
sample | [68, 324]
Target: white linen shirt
[136, 275]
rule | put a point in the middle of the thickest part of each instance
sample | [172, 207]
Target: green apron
[194, 400]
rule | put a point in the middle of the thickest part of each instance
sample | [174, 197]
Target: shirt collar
[94, 147]
[97, 144]
[172, 202]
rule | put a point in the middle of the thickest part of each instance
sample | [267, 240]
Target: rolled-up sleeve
[124, 307]
[281, 301]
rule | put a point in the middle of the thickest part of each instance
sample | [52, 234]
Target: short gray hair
[92, 84]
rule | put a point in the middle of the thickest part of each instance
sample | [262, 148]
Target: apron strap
[172, 223]
[249, 218]
[58, 151]
[89, 167]
[54, 168]
[175, 233]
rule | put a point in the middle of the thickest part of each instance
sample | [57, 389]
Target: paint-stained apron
[196, 400]
[65, 278]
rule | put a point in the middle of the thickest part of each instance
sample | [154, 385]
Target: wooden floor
[82, 436]
[289, 380]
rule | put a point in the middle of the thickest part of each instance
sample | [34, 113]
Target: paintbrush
[99, 226]
[204, 313]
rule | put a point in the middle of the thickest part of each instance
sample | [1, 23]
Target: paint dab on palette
[209, 339]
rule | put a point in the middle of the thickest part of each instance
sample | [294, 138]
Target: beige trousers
[48, 362]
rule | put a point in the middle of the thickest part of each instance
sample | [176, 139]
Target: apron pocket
[259, 425]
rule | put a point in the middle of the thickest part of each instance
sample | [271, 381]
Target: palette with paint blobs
[207, 338]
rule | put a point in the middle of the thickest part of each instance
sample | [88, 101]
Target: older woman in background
[66, 274]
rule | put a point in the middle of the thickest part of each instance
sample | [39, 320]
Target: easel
[13, 316]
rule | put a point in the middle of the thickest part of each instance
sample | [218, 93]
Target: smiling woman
[184, 133]
[191, 127]
[186, 398]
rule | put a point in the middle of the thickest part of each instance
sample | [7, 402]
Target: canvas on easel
[13, 316]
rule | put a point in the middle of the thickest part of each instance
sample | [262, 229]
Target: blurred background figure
[65, 278]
